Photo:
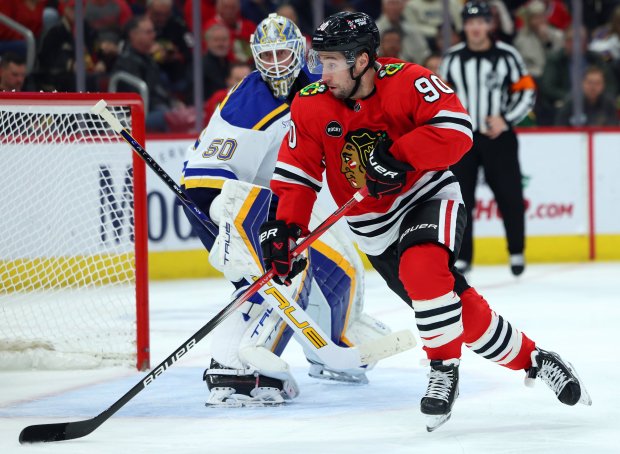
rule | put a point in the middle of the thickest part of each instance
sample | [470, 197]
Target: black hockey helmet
[476, 8]
[347, 32]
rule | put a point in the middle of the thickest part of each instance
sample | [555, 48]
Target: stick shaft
[78, 429]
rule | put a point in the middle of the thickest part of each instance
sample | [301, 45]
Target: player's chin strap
[358, 79]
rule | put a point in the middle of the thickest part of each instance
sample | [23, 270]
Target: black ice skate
[442, 391]
[241, 388]
[560, 376]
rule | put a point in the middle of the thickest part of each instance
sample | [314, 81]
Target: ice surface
[573, 309]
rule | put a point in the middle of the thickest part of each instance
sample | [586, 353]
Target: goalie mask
[279, 52]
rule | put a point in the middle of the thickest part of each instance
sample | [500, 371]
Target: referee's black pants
[500, 161]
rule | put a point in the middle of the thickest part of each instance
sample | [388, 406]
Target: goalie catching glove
[277, 239]
[385, 174]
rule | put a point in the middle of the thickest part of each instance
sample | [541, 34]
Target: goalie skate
[242, 388]
[322, 372]
[560, 376]
[259, 397]
[442, 391]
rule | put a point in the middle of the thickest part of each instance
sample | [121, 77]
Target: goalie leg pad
[244, 369]
[241, 208]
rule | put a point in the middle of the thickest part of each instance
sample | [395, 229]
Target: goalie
[227, 173]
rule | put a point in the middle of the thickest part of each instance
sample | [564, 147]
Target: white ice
[573, 309]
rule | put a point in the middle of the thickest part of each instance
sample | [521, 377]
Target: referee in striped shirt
[491, 81]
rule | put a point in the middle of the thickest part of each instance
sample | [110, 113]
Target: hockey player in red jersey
[396, 128]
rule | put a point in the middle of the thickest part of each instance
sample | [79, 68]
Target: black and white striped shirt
[489, 83]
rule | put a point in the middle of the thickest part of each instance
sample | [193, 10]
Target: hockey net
[73, 244]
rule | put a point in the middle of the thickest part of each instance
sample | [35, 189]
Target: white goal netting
[67, 258]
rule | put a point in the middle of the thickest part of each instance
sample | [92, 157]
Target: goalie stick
[77, 429]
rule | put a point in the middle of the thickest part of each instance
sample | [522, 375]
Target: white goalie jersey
[242, 139]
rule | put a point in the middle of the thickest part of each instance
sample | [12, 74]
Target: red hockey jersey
[427, 123]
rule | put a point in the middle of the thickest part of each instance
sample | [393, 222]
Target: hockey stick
[306, 330]
[77, 429]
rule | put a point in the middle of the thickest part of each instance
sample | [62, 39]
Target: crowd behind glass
[153, 40]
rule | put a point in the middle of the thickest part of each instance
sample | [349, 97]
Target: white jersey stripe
[456, 127]
[297, 171]
[453, 217]
[442, 222]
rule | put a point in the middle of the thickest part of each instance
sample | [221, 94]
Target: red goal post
[73, 247]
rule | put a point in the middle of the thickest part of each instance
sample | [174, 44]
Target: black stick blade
[57, 432]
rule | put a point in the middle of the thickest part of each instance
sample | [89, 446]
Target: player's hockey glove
[385, 174]
[277, 239]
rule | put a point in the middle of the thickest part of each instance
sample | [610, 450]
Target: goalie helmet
[346, 32]
[279, 51]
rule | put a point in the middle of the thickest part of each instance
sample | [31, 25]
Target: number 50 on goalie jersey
[241, 139]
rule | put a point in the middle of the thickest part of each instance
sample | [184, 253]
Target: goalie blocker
[246, 368]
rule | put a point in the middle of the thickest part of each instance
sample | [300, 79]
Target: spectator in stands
[599, 108]
[257, 10]
[56, 56]
[555, 83]
[370, 7]
[107, 18]
[597, 12]
[454, 36]
[414, 46]
[287, 10]
[537, 38]
[28, 13]
[606, 41]
[558, 14]
[216, 63]
[228, 13]
[432, 62]
[173, 45]
[427, 16]
[12, 72]
[237, 72]
[136, 60]
[502, 25]
[391, 44]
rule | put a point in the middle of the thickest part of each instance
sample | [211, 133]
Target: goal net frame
[135, 106]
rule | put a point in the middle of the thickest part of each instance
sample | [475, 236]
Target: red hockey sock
[489, 335]
[429, 283]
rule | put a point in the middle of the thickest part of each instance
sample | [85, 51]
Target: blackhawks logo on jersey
[354, 155]
[314, 88]
[390, 69]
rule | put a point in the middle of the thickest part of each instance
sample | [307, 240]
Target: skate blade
[585, 398]
[241, 400]
[243, 404]
[342, 378]
[435, 421]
